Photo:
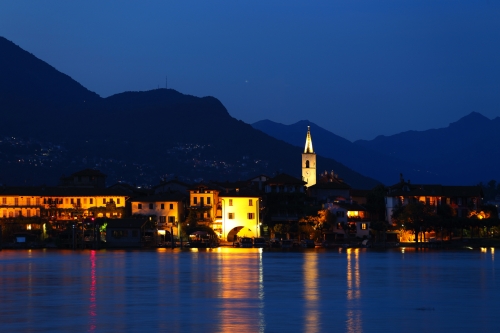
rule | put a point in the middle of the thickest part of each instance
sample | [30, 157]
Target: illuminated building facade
[203, 201]
[462, 199]
[168, 209]
[309, 161]
[352, 219]
[238, 214]
[61, 204]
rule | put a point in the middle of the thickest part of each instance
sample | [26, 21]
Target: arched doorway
[240, 231]
[233, 232]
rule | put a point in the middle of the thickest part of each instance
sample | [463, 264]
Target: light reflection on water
[249, 290]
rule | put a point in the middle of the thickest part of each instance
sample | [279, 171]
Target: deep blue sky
[357, 68]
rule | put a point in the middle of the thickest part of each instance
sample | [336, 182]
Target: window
[28, 213]
[104, 201]
[163, 219]
[139, 206]
[250, 202]
[307, 164]
[162, 206]
[91, 201]
[340, 213]
[78, 202]
[150, 206]
[4, 201]
[208, 201]
[72, 201]
[171, 219]
[230, 202]
[16, 201]
[202, 199]
[118, 201]
[28, 201]
[230, 216]
[171, 206]
[195, 200]
[4, 213]
[251, 216]
[363, 226]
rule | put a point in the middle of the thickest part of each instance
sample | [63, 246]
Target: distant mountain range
[464, 153]
[52, 125]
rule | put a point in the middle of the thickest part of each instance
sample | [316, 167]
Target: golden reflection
[484, 250]
[93, 289]
[354, 321]
[311, 293]
[241, 289]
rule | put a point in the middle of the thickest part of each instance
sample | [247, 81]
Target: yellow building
[167, 207]
[203, 201]
[238, 214]
[60, 204]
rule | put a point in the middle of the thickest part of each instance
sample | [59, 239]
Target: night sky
[356, 68]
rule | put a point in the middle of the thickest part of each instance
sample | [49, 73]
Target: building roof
[242, 193]
[285, 179]
[172, 181]
[348, 205]
[308, 149]
[330, 186]
[46, 191]
[434, 190]
[167, 197]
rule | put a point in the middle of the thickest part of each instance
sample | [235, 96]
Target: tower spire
[309, 144]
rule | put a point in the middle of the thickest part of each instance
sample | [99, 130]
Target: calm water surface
[249, 290]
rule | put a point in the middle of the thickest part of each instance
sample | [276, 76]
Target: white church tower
[309, 161]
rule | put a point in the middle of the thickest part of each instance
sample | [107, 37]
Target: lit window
[363, 226]
[171, 219]
[230, 216]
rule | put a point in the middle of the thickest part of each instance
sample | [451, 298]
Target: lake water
[249, 290]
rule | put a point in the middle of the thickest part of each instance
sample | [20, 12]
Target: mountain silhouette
[465, 152]
[374, 164]
[132, 136]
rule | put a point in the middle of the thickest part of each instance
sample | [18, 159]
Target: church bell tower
[309, 161]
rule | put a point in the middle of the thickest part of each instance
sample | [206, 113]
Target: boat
[307, 244]
[246, 242]
[259, 242]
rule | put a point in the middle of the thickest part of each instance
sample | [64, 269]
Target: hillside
[466, 152]
[375, 164]
[54, 126]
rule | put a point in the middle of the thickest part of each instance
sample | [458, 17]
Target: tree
[415, 216]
